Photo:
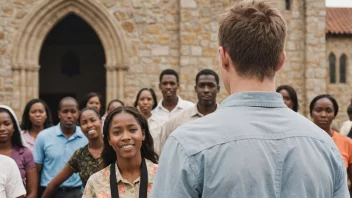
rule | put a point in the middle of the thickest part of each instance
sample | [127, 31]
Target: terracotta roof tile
[339, 20]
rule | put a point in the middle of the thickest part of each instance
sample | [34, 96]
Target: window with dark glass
[288, 5]
[343, 68]
[332, 60]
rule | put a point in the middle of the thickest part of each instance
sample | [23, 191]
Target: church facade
[50, 49]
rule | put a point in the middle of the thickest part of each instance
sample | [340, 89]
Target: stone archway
[33, 31]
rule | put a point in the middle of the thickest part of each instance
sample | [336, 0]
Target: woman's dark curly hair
[90, 95]
[147, 149]
[27, 124]
[16, 139]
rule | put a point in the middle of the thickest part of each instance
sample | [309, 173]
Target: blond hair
[253, 34]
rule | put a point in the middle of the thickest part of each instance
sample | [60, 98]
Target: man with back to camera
[54, 146]
[253, 145]
[171, 102]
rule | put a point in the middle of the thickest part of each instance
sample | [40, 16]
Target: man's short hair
[68, 98]
[208, 72]
[253, 34]
[169, 72]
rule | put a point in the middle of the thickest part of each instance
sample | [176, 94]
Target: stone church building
[56, 48]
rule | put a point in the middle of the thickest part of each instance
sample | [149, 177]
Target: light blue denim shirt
[52, 150]
[252, 146]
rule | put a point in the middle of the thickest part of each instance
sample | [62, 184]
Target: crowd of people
[253, 144]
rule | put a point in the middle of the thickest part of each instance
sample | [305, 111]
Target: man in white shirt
[171, 102]
[11, 185]
[207, 87]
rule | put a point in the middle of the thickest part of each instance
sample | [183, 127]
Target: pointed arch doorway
[71, 62]
[34, 30]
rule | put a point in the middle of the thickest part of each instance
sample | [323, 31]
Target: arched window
[332, 60]
[288, 4]
[343, 68]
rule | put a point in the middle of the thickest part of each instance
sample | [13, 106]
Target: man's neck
[68, 132]
[205, 110]
[249, 85]
[170, 104]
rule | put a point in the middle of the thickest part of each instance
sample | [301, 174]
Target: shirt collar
[180, 103]
[196, 113]
[150, 168]
[59, 132]
[254, 99]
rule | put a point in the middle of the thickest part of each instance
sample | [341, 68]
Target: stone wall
[182, 35]
[340, 45]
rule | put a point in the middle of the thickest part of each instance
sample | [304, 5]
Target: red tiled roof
[339, 20]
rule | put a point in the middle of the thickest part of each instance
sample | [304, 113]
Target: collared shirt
[154, 123]
[53, 150]
[177, 120]
[11, 185]
[346, 127]
[344, 144]
[165, 114]
[98, 185]
[252, 146]
[29, 140]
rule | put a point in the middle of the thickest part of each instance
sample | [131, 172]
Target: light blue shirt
[252, 146]
[53, 150]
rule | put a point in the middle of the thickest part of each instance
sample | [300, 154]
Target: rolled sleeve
[74, 161]
[176, 176]
[38, 151]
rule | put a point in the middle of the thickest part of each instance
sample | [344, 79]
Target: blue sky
[338, 3]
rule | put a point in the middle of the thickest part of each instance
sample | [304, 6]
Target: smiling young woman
[129, 155]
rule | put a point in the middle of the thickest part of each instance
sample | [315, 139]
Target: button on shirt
[53, 150]
[165, 114]
[252, 146]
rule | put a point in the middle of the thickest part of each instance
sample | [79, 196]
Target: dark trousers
[65, 192]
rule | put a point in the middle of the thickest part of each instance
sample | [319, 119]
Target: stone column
[115, 77]
[16, 98]
[315, 50]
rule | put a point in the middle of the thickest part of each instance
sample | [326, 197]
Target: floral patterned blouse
[98, 185]
[83, 163]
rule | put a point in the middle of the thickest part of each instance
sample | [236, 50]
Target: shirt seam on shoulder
[245, 137]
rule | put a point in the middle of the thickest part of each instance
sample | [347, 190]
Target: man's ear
[283, 58]
[224, 58]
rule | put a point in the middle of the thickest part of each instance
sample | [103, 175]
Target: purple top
[24, 159]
